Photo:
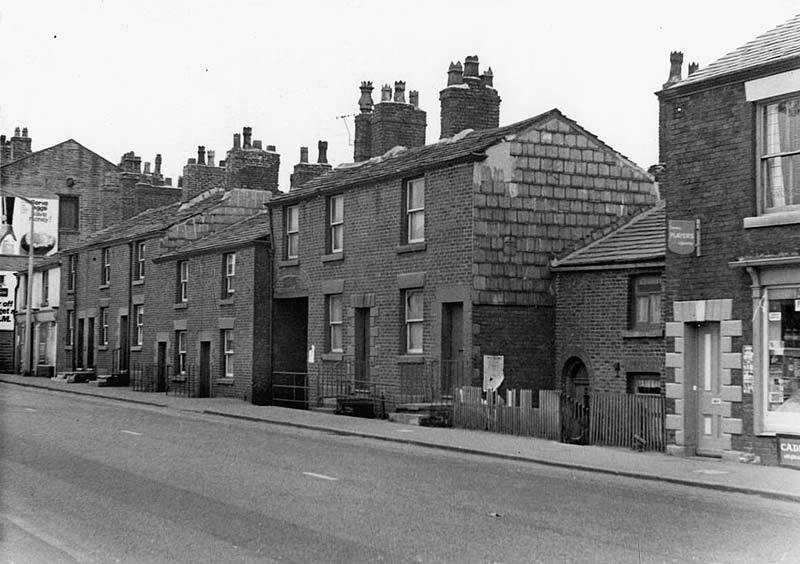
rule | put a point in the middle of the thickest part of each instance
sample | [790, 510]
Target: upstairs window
[292, 222]
[68, 208]
[72, 271]
[183, 282]
[70, 336]
[336, 224]
[45, 288]
[646, 302]
[780, 154]
[415, 211]
[105, 267]
[139, 257]
[229, 272]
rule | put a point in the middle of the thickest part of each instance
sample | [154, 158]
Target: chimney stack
[147, 168]
[476, 106]
[158, 164]
[303, 155]
[201, 155]
[24, 131]
[693, 67]
[322, 147]
[257, 144]
[251, 168]
[675, 64]
[413, 98]
[210, 157]
[400, 92]
[237, 141]
[386, 93]
[305, 171]
[247, 133]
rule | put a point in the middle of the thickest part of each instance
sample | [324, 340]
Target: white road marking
[320, 476]
[405, 430]
[711, 472]
[29, 409]
[134, 433]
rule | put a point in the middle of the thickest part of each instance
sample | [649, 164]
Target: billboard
[8, 287]
[15, 226]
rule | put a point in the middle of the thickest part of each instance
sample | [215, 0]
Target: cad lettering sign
[15, 226]
[789, 451]
[8, 286]
[681, 236]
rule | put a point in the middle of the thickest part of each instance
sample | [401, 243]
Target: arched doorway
[575, 378]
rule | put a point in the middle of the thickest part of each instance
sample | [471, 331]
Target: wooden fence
[623, 420]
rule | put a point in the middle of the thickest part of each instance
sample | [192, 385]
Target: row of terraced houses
[532, 250]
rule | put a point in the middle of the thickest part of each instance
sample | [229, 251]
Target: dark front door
[79, 346]
[204, 385]
[90, 344]
[161, 367]
[362, 348]
[123, 344]
[452, 371]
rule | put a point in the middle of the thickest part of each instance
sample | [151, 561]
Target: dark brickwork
[250, 167]
[15, 147]
[396, 124]
[593, 324]
[198, 178]
[469, 101]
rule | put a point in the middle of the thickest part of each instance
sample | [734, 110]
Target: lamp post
[28, 351]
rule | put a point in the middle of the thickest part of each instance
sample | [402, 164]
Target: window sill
[103, 287]
[411, 247]
[642, 333]
[67, 347]
[332, 357]
[289, 262]
[136, 348]
[225, 381]
[178, 379]
[102, 348]
[71, 292]
[414, 358]
[333, 257]
[138, 282]
[226, 301]
[773, 219]
[180, 305]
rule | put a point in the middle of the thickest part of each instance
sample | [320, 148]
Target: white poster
[8, 287]
[492, 372]
[15, 226]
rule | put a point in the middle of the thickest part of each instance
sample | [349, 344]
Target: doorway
[704, 375]
[79, 346]
[362, 329]
[452, 370]
[204, 385]
[161, 367]
[122, 362]
[90, 344]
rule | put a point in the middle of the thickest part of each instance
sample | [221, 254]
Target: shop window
[783, 342]
[779, 151]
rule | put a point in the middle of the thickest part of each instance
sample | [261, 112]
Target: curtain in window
[782, 135]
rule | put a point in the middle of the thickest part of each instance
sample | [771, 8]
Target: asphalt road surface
[92, 480]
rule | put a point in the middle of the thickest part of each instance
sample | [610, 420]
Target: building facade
[730, 143]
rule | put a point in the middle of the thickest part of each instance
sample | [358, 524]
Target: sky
[155, 76]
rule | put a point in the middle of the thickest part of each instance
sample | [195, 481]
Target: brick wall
[396, 123]
[198, 178]
[472, 106]
[592, 322]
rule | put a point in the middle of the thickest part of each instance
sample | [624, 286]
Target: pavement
[766, 481]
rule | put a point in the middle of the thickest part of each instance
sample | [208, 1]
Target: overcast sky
[166, 76]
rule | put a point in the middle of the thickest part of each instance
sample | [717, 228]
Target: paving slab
[766, 481]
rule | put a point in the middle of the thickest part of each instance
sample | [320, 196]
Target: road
[92, 480]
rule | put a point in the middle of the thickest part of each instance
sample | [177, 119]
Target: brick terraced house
[609, 321]
[730, 142]
[397, 274]
[76, 192]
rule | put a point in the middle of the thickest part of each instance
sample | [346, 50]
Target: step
[404, 418]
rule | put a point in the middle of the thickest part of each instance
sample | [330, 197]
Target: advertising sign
[789, 451]
[681, 236]
[8, 287]
[15, 226]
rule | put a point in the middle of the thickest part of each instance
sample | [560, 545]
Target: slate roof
[417, 159]
[236, 235]
[778, 44]
[640, 240]
[21, 160]
[149, 222]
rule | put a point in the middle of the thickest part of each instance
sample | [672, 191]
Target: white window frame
[228, 352]
[72, 268]
[335, 324]
[141, 249]
[769, 160]
[230, 273]
[180, 349]
[138, 311]
[414, 324]
[44, 299]
[292, 232]
[336, 223]
[70, 336]
[414, 211]
[104, 326]
[183, 281]
[646, 305]
[105, 266]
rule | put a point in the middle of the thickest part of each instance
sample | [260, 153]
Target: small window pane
[416, 226]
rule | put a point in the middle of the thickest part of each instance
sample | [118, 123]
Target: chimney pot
[158, 163]
[386, 93]
[322, 146]
[146, 167]
[201, 155]
[247, 133]
[471, 67]
[271, 148]
[365, 101]
[413, 98]
[237, 141]
[693, 67]
[191, 161]
[400, 92]
[210, 157]
[257, 144]
[24, 131]
[303, 154]
[675, 64]
[455, 74]
[487, 78]
[16, 132]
